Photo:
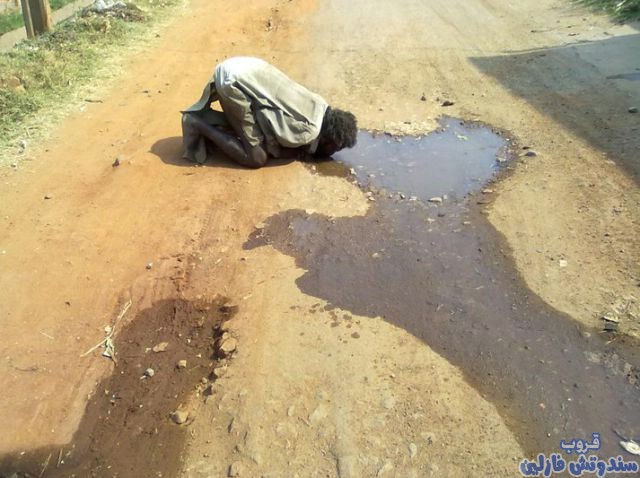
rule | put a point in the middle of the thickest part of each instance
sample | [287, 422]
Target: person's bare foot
[195, 149]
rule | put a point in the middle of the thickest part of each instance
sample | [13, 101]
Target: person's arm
[237, 109]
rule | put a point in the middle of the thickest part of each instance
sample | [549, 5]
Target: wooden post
[39, 13]
[26, 14]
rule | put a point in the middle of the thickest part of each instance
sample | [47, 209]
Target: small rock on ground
[228, 346]
[179, 416]
[218, 372]
[161, 347]
[235, 469]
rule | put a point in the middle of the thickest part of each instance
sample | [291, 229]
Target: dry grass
[43, 78]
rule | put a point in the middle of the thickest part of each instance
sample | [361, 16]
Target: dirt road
[330, 377]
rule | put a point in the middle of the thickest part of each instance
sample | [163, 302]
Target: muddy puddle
[440, 271]
[127, 429]
[456, 159]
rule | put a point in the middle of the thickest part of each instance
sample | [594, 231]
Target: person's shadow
[169, 150]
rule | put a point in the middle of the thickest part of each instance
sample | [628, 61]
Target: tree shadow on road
[453, 286]
[588, 87]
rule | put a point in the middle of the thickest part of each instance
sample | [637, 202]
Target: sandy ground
[303, 398]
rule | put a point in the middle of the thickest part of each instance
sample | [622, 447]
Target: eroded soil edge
[129, 427]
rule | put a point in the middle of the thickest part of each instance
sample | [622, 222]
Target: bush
[622, 10]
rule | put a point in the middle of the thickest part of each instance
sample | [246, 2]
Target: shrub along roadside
[41, 77]
[622, 10]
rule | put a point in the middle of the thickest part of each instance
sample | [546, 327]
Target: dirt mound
[129, 428]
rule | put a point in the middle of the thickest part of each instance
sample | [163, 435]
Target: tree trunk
[37, 17]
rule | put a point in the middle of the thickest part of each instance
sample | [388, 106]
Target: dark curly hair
[339, 130]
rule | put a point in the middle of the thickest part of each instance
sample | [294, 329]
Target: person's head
[339, 130]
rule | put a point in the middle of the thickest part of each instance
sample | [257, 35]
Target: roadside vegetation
[42, 78]
[622, 10]
[12, 19]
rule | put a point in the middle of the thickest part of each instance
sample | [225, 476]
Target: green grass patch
[12, 19]
[621, 10]
[41, 77]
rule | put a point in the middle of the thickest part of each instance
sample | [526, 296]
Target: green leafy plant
[622, 10]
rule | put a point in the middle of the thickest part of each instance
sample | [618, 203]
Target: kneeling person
[265, 113]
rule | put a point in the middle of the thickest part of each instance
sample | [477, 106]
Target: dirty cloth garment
[263, 105]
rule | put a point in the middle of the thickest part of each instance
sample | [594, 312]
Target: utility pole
[37, 17]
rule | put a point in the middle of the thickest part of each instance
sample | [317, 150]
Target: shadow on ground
[169, 150]
[587, 87]
[442, 275]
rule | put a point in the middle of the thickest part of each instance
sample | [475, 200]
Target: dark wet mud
[126, 430]
[452, 286]
[441, 272]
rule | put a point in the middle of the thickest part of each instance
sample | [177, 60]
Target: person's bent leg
[193, 143]
[251, 157]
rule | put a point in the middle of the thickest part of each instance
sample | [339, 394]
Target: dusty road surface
[330, 326]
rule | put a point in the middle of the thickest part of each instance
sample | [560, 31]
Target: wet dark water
[452, 162]
[452, 286]
[441, 272]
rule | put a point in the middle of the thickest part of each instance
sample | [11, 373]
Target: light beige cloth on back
[263, 104]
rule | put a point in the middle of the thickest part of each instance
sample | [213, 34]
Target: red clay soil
[127, 429]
